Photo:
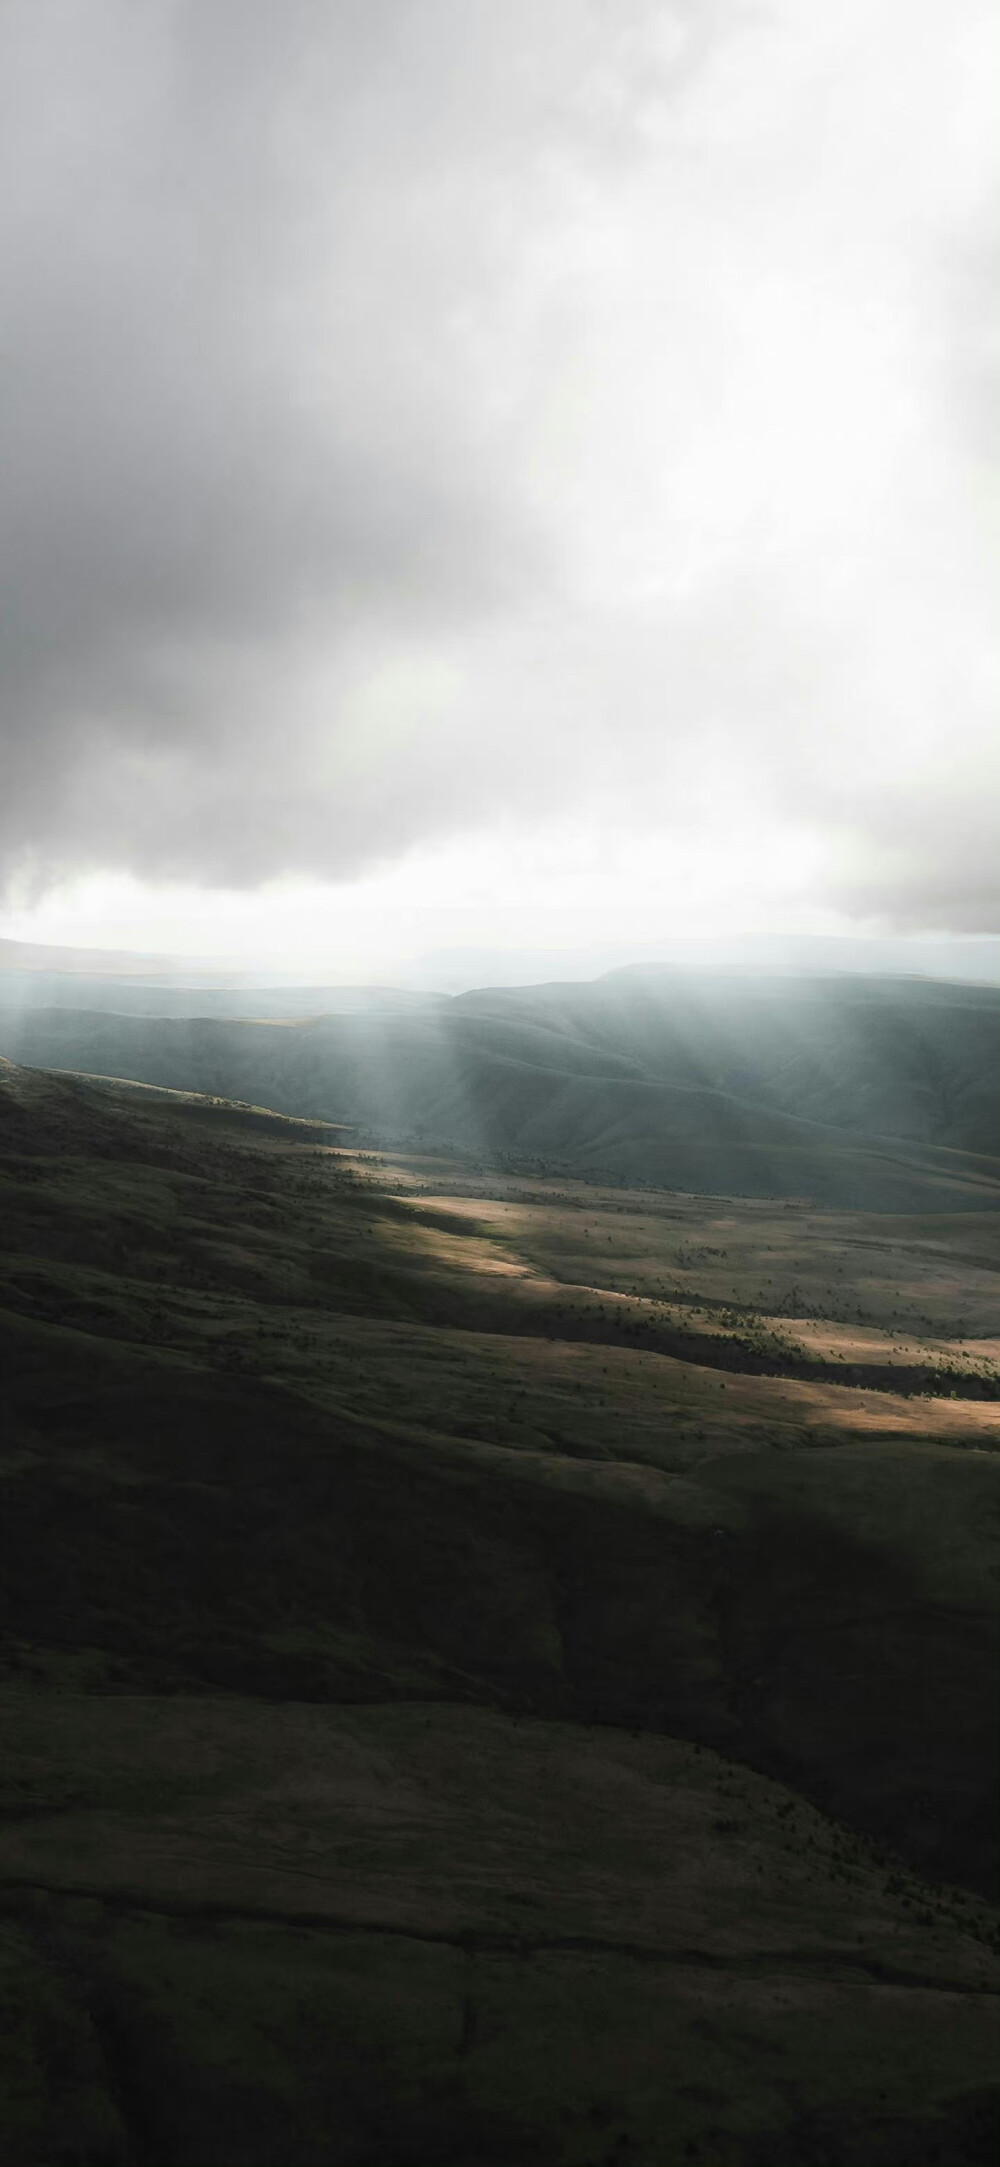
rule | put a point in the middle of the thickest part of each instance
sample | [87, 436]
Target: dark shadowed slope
[430, 1739]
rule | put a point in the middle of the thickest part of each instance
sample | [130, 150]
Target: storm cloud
[420, 413]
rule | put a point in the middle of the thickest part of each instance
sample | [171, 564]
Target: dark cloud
[408, 417]
[233, 410]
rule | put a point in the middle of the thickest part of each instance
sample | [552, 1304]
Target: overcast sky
[530, 460]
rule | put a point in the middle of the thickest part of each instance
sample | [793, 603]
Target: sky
[514, 475]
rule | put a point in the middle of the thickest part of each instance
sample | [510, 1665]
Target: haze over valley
[847, 1089]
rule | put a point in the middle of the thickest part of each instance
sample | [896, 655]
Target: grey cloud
[300, 305]
[209, 448]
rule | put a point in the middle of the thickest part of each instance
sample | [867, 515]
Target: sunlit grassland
[789, 1287]
[547, 1315]
[920, 1276]
[358, 1302]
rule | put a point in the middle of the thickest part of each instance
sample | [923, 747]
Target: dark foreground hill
[874, 1094]
[430, 1738]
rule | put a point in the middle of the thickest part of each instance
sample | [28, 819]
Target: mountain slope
[846, 1092]
[430, 1739]
[903, 1058]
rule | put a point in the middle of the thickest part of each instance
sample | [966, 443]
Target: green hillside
[894, 1057]
[859, 1093]
[446, 1717]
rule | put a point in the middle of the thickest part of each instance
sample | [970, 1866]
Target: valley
[861, 1094]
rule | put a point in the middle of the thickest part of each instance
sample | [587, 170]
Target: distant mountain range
[856, 1091]
[35, 972]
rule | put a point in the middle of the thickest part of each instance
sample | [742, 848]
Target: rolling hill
[446, 1720]
[850, 1091]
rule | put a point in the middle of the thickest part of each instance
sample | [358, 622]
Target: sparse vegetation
[402, 1651]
